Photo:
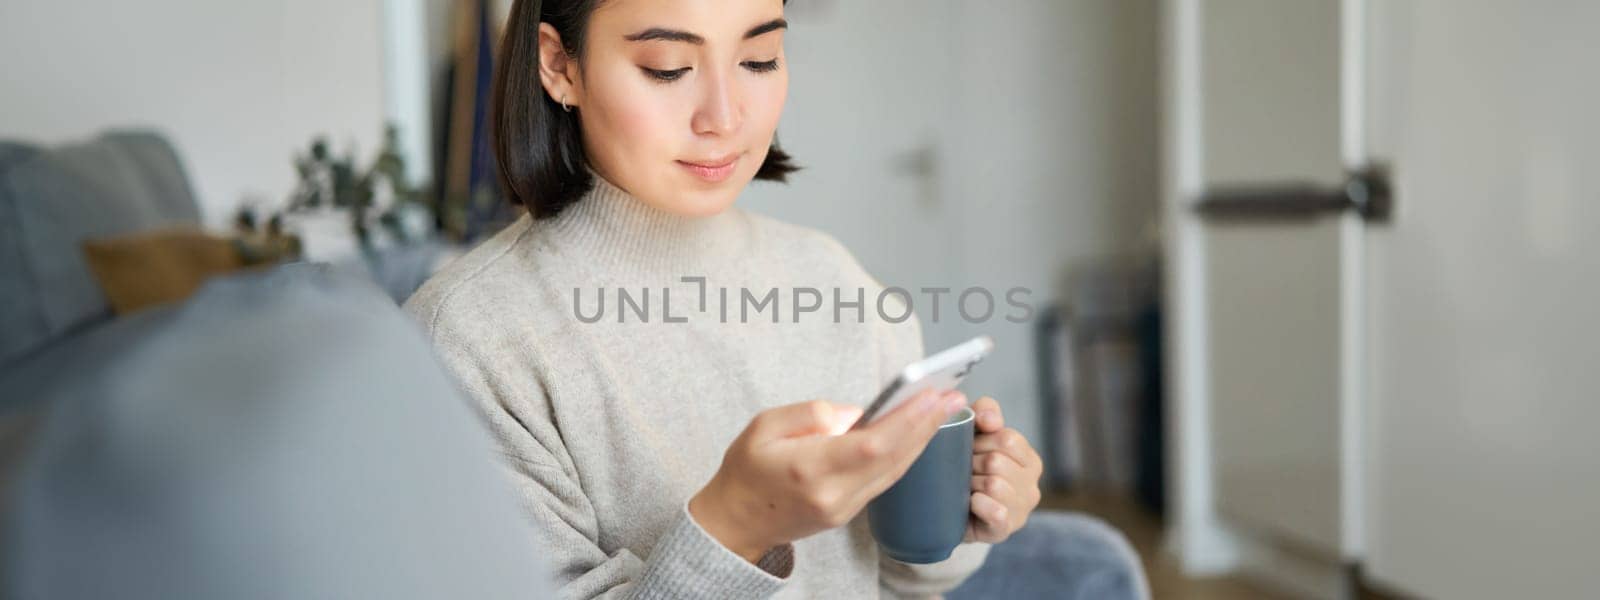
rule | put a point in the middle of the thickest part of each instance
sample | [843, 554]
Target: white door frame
[1352, 282]
[1201, 541]
[1195, 535]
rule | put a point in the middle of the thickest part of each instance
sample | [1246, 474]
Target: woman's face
[679, 99]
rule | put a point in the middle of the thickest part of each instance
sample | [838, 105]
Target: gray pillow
[53, 199]
[280, 435]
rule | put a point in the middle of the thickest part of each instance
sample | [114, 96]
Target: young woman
[670, 445]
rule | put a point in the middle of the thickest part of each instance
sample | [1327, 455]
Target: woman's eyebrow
[674, 35]
[766, 27]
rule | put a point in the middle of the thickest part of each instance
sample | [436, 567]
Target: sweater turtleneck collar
[615, 233]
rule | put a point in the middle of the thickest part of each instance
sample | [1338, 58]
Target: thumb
[816, 417]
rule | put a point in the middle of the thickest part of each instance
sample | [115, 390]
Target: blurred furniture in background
[282, 434]
[145, 269]
[52, 200]
[1060, 555]
[1100, 375]
[469, 203]
[55, 315]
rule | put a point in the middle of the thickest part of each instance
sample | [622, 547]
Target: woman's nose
[720, 109]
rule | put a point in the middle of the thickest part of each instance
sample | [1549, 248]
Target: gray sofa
[283, 434]
[53, 317]
[51, 199]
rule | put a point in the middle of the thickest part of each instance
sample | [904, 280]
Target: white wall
[238, 86]
[1052, 154]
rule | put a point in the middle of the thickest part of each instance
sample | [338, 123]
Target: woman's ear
[557, 71]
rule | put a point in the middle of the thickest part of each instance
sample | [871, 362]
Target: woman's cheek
[641, 122]
[766, 102]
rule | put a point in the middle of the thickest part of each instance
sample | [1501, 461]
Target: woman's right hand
[792, 473]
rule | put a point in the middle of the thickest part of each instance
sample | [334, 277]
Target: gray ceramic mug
[923, 516]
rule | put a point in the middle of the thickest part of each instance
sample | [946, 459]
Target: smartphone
[941, 372]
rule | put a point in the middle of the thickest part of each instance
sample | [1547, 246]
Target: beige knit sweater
[608, 428]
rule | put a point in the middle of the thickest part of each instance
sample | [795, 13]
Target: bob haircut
[538, 146]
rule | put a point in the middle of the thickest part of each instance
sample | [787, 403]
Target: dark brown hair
[538, 145]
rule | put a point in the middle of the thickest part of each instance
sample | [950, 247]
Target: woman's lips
[713, 170]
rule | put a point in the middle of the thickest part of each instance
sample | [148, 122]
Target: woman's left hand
[1005, 477]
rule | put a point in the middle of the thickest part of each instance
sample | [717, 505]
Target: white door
[1483, 385]
[1257, 88]
[1416, 396]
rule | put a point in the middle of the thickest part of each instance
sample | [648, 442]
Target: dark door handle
[1365, 191]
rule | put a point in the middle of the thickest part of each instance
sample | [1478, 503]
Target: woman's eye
[761, 66]
[660, 75]
[666, 75]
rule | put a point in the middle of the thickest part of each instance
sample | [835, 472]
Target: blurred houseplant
[382, 206]
[375, 207]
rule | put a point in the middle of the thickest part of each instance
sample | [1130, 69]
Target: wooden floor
[1145, 531]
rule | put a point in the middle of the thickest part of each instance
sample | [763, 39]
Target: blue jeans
[1059, 555]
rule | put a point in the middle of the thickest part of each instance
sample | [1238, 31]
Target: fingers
[878, 454]
[903, 432]
[1000, 480]
[816, 417]
[844, 416]
[1006, 471]
[927, 407]
[998, 464]
[989, 416]
[1020, 497]
[994, 487]
[860, 463]
[1010, 443]
[910, 440]
[990, 519]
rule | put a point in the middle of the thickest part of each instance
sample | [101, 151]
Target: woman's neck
[613, 231]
